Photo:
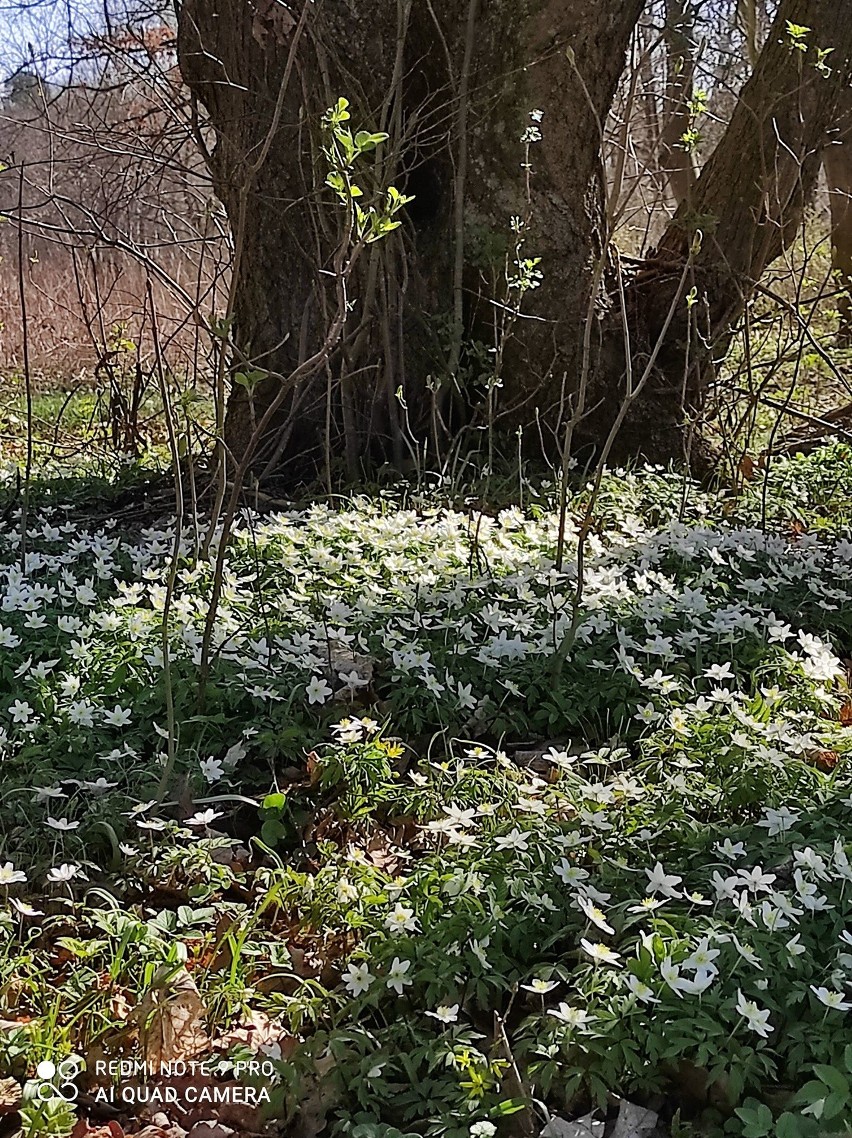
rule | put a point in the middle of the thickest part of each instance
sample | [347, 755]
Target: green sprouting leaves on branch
[343, 150]
[797, 35]
[691, 138]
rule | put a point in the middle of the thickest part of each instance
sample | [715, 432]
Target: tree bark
[676, 159]
[837, 162]
[744, 211]
[453, 83]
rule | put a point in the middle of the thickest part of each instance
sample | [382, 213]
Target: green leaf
[366, 141]
[757, 1118]
[836, 1106]
[832, 1078]
[788, 1126]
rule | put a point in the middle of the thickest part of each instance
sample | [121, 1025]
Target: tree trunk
[453, 83]
[837, 162]
[676, 158]
[745, 209]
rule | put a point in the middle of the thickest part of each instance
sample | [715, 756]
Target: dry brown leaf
[119, 1005]
[171, 1020]
[747, 468]
[163, 1128]
[10, 1096]
[84, 1129]
[258, 1032]
[823, 760]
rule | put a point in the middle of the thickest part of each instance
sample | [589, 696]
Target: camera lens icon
[57, 1080]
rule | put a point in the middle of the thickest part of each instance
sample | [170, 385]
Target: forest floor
[417, 832]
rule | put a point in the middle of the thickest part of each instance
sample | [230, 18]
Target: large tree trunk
[453, 82]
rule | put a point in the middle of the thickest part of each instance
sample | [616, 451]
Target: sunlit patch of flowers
[632, 919]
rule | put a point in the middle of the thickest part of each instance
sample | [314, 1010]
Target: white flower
[349, 730]
[794, 945]
[445, 1013]
[719, 672]
[595, 915]
[810, 860]
[571, 874]
[670, 972]
[600, 953]
[459, 816]
[697, 898]
[234, 754]
[516, 840]
[400, 920]
[661, 882]
[11, 876]
[352, 681]
[118, 717]
[703, 955]
[20, 711]
[465, 700]
[25, 909]
[212, 769]
[82, 713]
[779, 821]
[647, 905]
[756, 1018]
[540, 987]
[397, 978]
[483, 1129]
[641, 991]
[203, 817]
[746, 952]
[756, 880]
[678, 722]
[156, 824]
[560, 758]
[700, 982]
[357, 978]
[43, 793]
[99, 786]
[61, 824]
[317, 690]
[69, 685]
[773, 918]
[64, 872]
[841, 862]
[730, 850]
[576, 1017]
[478, 947]
[831, 999]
